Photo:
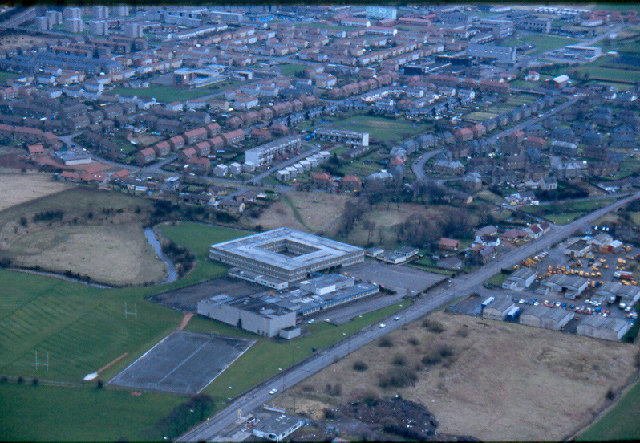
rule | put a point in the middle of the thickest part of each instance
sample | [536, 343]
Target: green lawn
[610, 74]
[542, 43]
[622, 422]
[381, 128]
[44, 413]
[5, 75]
[291, 69]
[169, 94]
[563, 213]
[269, 355]
[479, 116]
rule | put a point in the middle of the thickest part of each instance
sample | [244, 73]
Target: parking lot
[186, 299]
[399, 278]
[183, 362]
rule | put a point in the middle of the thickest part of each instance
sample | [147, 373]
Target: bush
[35, 382]
[399, 360]
[397, 377]
[3, 379]
[433, 326]
[385, 342]
[610, 395]
[413, 341]
[443, 352]
[185, 416]
[329, 414]
[20, 380]
[360, 366]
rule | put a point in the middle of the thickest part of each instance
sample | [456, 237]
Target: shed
[544, 317]
[497, 309]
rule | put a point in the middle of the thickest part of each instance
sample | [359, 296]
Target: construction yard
[483, 378]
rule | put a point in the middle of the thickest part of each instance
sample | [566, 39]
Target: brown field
[20, 188]
[318, 212]
[115, 255]
[503, 382]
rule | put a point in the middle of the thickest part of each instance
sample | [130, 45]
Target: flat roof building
[285, 254]
[544, 317]
[252, 314]
[267, 153]
[605, 328]
[337, 135]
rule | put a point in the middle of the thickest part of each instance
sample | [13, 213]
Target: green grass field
[622, 422]
[542, 43]
[5, 75]
[383, 129]
[169, 94]
[291, 69]
[563, 213]
[44, 413]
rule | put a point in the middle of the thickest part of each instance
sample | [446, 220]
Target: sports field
[184, 362]
[169, 94]
[381, 128]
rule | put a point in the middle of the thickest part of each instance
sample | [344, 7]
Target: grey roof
[599, 322]
[540, 311]
[256, 247]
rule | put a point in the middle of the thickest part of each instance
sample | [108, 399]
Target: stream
[153, 241]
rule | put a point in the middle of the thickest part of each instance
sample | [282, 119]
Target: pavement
[461, 286]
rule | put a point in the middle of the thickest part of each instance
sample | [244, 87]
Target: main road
[462, 285]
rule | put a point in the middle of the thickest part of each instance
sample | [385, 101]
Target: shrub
[3, 379]
[610, 395]
[399, 360]
[35, 382]
[433, 326]
[360, 366]
[385, 342]
[397, 377]
[413, 341]
[20, 380]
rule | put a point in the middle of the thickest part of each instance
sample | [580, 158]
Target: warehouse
[285, 254]
[571, 286]
[606, 328]
[613, 290]
[253, 314]
[543, 317]
[497, 309]
[521, 279]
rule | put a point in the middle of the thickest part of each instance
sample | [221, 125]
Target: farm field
[553, 383]
[21, 188]
[44, 413]
[114, 255]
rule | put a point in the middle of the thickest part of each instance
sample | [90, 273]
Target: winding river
[152, 238]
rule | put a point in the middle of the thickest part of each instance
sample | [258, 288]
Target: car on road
[273, 391]
[396, 318]
[382, 325]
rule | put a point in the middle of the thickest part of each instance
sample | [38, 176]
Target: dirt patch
[317, 210]
[20, 188]
[491, 380]
[115, 255]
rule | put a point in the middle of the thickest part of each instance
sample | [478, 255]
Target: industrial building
[606, 328]
[520, 279]
[275, 427]
[630, 294]
[571, 286]
[267, 153]
[501, 54]
[498, 308]
[253, 314]
[348, 137]
[544, 317]
[285, 254]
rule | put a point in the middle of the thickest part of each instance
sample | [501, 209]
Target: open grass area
[21, 188]
[479, 116]
[291, 69]
[169, 94]
[269, 355]
[622, 422]
[44, 413]
[496, 380]
[5, 75]
[563, 213]
[383, 129]
[197, 237]
[542, 43]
